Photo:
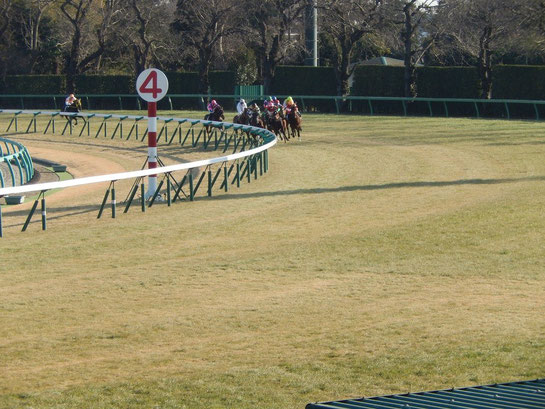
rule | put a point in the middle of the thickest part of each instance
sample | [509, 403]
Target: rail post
[44, 213]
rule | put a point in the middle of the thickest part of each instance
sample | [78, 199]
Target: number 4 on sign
[152, 85]
[154, 90]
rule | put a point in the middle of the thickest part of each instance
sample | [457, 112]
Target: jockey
[290, 105]
[255, 108]
[273, 105]
[212, 106]
[70, 99]
[241, 106]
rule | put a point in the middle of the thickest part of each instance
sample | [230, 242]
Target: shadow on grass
[400, 185]
[70, 211]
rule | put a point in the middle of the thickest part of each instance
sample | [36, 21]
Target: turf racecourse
[379, 255]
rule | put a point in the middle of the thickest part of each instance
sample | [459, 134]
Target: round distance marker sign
[152, 85]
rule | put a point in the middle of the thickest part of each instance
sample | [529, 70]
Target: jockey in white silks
[241, 106]
[69, 101]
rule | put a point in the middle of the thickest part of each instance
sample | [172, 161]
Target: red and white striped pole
[152, 147]
[152, 85]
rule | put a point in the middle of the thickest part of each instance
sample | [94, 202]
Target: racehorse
[74, 107]
[278, 125]
[215, 115]
[243, 119]
[256, 120]
[294, 122]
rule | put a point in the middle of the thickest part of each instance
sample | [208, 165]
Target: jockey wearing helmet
[273, 105]
[70, 99]
[241, 106]
[290, 105]
[212, 106]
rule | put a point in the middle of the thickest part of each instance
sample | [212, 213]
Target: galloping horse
[216, 115]
[294, 122]
[74, 107]
[278, 125]
[243, 119]
[256, 120]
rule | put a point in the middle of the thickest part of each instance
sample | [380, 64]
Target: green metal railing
[367, 105]
[245, 150]
[13, 153]
[514, 395]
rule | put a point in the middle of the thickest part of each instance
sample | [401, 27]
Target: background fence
[446, 107]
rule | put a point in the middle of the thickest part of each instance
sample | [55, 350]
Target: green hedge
[33, 84]
[304, 80]
[432, 82]
[183, 82]
[447, 82]
[518, 82]
[105, 84]
[508, 82]
[378, 81]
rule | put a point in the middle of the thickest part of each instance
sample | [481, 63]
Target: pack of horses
[284, 124]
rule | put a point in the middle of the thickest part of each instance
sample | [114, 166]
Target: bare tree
[269, 28]
[482, 27]
[203, 26]
[5, 17]
[345, 22]
[75, 12]
[32, 12]
[5, 9]
[92, 21]
[417, 34]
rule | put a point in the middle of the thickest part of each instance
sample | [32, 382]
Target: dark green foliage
[378, 81]
[105, 84]
[34, 84]
[448, 82]
[508, 82]
[183, 82]
[222, 82]
[432, 82]
[518, 82]
[303, 80]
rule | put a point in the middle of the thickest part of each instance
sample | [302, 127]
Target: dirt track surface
[90, 162]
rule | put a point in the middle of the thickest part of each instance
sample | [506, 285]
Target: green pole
[142, 197]
[168, 191]
[191, 193]
[44, 213]
[225, 178]
[34, 206]
[113, 200]
[209, 182]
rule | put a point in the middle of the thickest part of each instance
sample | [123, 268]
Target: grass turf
[379, 255]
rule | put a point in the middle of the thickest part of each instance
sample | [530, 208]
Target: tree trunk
[485, 63]
[343, 88]
[268, 74]
[72, 61]
[205, 57]
[409, 77]
[269, 63]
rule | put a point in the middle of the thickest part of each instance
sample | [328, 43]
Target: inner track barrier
[15, 158]
[244, 157]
